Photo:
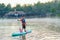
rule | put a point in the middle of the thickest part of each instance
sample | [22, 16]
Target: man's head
[23, 16]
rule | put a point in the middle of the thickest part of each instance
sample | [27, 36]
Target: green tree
[2, 7]
[18, 8]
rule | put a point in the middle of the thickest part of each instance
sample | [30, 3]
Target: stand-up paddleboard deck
[20, 33]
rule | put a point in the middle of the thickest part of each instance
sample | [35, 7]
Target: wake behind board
[20, 33]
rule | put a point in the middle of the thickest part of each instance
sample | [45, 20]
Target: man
[23, 23]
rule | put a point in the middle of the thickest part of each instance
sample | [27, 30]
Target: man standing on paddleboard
[22, 19]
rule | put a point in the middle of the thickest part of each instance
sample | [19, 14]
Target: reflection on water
[38, 27]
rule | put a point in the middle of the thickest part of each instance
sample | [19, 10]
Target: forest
[51, 9]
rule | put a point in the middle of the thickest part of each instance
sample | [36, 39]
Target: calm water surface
[38, 27]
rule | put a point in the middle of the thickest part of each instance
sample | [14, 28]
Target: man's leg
[24, 28]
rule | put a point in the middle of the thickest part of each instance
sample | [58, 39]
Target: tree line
[36, 10]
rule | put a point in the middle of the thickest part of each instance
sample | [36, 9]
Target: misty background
[49, 9]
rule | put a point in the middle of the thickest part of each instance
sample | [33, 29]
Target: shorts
[23, 26]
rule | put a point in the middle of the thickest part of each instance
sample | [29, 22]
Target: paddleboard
[20, 33]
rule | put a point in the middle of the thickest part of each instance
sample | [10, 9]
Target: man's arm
[19, 19]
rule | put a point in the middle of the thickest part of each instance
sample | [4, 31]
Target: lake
[42, 29]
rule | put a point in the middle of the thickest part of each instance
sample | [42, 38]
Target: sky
[22, 2]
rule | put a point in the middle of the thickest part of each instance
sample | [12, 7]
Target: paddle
[18, 21]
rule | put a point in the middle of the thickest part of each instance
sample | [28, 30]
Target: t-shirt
[23, 21]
